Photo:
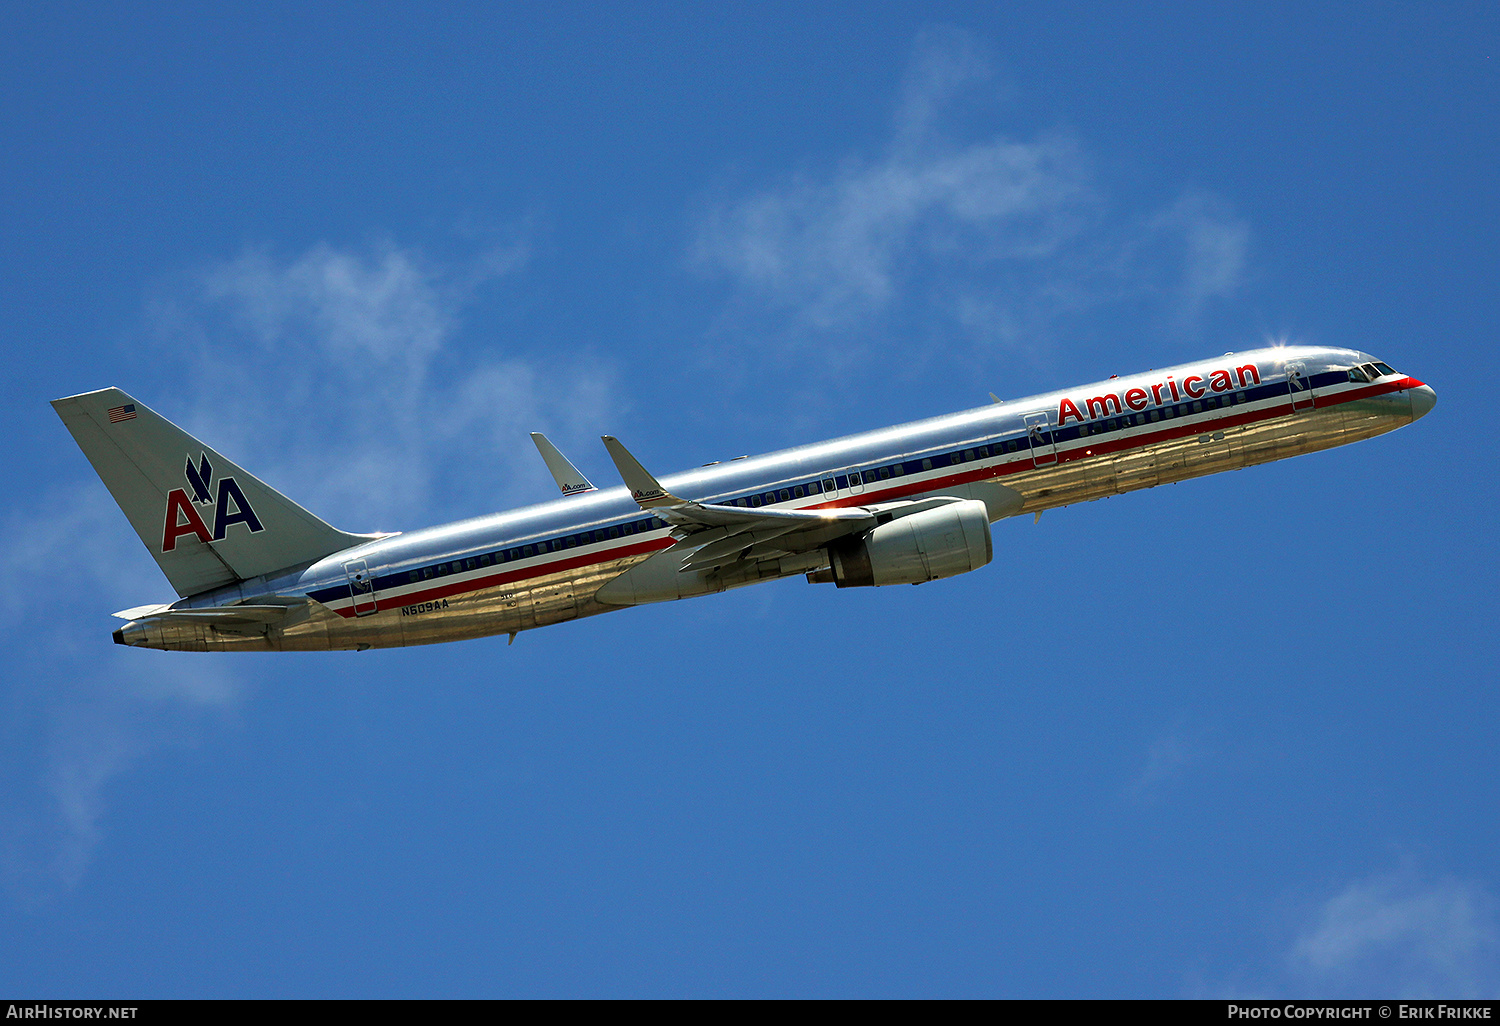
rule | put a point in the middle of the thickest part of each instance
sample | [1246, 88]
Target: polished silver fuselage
[599, 551]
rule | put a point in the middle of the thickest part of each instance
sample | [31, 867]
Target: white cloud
[1398, 935]
[93, 709]
[1002, 237]
[1167, 758]
[1214, 249]
[343, 377]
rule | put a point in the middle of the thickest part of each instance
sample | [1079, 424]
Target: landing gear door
[1300, 386]
[1039, 435]
[361, 587]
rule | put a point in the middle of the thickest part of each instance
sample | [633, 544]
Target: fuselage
[591, 553]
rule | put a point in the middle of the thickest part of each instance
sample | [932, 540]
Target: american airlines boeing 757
[902, 505]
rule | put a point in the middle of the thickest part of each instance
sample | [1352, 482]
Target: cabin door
[361, 587]
[1039, 435]
[1300, 386]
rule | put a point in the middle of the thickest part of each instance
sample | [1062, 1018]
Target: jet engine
[951, 539]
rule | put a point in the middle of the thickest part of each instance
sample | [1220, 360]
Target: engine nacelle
[951, 539]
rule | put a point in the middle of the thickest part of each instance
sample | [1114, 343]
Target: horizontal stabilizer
[247, 619]
[563, 472]
[206, 521]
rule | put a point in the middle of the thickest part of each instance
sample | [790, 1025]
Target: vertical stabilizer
[204, 520]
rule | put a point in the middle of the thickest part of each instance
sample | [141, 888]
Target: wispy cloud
[1004, 238]
[343, 376]
[1395, 934]
[1214, 245]
[1167, 758]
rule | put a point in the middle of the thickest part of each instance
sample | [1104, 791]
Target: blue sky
[1232, 737]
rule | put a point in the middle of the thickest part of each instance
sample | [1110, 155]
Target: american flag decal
[122, 413]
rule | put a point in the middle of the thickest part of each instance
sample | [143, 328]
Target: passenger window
[1197, 407]
[1011, 446]
[984, 452]
[529, 551]
[755, 500]
[926, 464]
[885, 473]
[797, 492]
[412, 577]
[1239, 396]
[955, 459]
[1110, 425]
[1155, 416]
[968, 455]
[829, 485]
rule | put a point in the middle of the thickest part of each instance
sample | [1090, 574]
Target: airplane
[907, 504]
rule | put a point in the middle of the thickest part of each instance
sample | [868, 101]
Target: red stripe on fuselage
[1022, 463]
[1084, 450]
[509, 577]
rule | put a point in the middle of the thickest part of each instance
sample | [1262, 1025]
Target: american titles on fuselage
[1192, 386]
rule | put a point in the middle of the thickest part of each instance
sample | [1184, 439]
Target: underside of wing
[721, 535]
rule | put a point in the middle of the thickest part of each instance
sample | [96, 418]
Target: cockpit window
[1384, 368]
[1358, 374]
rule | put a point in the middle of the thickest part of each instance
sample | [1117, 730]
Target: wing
[563, 472]
[721, 535]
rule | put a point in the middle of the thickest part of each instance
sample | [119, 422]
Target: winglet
[644, 488]
[563, 472]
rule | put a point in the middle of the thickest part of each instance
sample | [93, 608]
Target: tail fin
[204, 520]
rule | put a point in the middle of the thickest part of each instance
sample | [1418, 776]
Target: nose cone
[1423, 399]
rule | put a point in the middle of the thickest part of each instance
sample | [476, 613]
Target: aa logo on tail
[228, 506]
